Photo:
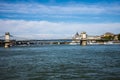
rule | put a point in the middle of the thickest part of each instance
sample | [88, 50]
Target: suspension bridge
[8, 40]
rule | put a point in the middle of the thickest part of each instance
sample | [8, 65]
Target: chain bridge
[8, 40]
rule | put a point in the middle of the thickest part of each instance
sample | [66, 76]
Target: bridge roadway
[42, 42]
[53, 41]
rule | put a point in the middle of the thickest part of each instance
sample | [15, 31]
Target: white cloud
[50, 30]
[66, 9]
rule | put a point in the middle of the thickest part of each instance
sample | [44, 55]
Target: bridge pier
[7, 44]
[83, 42]
[7, 40]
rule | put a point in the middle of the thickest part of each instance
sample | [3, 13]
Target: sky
[56, 19]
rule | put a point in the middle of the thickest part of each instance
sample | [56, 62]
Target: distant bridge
[10, 40]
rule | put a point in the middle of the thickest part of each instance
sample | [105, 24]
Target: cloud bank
[54, 30]
[67, 12]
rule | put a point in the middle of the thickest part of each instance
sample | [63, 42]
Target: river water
[60, 62]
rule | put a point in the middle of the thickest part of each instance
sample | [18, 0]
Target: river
[60, 62]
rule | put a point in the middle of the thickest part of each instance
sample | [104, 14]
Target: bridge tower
[7, 40]
[83, 40]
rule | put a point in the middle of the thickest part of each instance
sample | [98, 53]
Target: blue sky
[48, 19]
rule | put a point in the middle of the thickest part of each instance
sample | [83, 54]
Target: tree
[119, 37]
[108, 38]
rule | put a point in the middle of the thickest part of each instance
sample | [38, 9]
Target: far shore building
[107, 34]
[77, 37]
[91, 39]
[116, 37]
[94, 37]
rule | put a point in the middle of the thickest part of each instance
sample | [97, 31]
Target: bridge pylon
[7, 40]
[83, 40]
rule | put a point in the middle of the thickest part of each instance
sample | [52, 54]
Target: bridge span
[8, 40]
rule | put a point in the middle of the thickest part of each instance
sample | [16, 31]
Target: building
[94, 37]
[108, 34]
[116, 37]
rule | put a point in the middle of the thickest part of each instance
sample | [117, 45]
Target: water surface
[60, 62]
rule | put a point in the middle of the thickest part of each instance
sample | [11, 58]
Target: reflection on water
[60, 62]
